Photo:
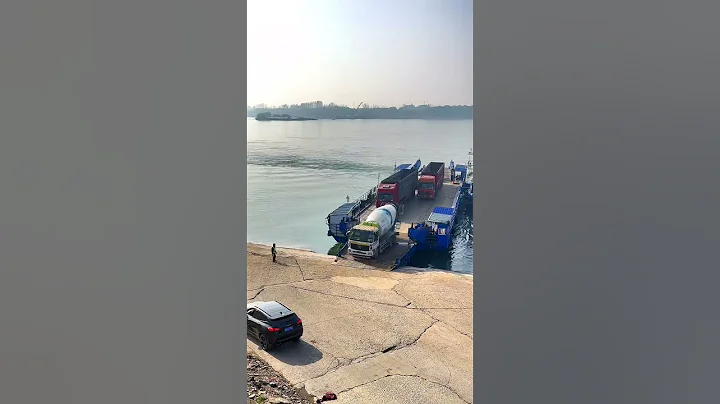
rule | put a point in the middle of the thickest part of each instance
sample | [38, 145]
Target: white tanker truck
[373, 236]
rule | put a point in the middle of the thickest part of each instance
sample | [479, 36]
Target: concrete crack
[442, 385]
[348, 297]
[421, 334]
[388, 349]
[344, 362]
[301, 271]
[360, 359]
[436, 319]
[455, 328]
[405, 375]
[444, 308]
[331, 368]
[256, 294]
[398, 293]
[395, 347]
[366, 383]
[423, 308]
[365, 357]
[278, 284]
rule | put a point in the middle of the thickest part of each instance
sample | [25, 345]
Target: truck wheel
[376, 253]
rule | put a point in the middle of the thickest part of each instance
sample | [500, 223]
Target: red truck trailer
[398, 187]
[431, 179]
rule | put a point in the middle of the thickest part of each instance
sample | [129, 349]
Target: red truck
[431, 179]
[397, 188]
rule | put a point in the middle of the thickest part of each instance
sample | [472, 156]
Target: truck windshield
[427, 185]
[363, 236]
[385, 197]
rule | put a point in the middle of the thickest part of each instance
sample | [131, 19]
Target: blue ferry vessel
[419, 225]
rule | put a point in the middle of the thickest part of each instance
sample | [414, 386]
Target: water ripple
[312, 163]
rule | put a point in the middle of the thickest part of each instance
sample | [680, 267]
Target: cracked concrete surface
[370, 336]
[399, 389]
[335, 288]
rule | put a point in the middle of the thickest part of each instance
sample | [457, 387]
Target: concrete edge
[313, 254]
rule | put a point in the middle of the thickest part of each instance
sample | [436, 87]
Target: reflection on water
[460, 257]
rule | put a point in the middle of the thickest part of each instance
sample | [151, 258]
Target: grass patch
[335, 250]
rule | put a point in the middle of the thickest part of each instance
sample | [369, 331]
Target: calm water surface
[298, 172]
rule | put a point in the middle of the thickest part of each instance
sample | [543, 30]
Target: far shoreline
[318, 110]
[367, 119]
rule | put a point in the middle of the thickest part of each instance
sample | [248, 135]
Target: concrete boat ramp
[370, 336]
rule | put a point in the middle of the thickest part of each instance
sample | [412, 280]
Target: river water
[298, 172]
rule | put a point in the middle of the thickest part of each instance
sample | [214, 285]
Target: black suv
[272, 323]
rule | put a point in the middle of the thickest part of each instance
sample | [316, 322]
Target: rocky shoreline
[267, 386]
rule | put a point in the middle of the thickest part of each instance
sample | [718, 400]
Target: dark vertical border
[597, 202]
[241, 44]
[122, 202]
[477, 206]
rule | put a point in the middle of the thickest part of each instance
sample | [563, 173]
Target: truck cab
[426, 187]
[398, 188]
[363, 241]
[387, 193]
[431, 180]
[373, 236]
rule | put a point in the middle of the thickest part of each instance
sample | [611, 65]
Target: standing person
[452, 171]
[274, 253]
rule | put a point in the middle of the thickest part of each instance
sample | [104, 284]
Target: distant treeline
[331, 111]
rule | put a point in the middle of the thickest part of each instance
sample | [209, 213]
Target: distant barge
[266, 116]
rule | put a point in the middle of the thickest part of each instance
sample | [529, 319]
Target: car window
[291, 317]
[258, 315]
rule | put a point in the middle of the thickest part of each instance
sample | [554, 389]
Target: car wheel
[264, 343]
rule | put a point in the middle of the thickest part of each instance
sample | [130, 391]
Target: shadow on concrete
[417, 270]
[294, 353]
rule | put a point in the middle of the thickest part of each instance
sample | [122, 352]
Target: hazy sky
[389, 52]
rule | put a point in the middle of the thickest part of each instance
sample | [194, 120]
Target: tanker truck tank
[384, 219]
